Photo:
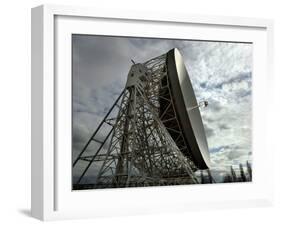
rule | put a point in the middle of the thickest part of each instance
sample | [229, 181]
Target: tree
[233, 174]
[242, 174]
[249, 169]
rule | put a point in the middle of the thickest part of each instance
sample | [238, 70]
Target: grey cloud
[214, 105]
[209, 131]
[240, 77]
[224, 126]
[234, 154]
[225, 148]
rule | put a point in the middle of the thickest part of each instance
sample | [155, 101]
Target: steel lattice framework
[145, 145]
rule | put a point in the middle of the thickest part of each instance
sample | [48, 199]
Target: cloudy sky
[220, 73]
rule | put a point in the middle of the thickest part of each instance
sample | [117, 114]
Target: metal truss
[145, 142]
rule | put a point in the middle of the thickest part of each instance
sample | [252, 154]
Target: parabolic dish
[188, 116]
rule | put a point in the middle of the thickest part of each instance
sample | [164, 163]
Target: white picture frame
[52, 197]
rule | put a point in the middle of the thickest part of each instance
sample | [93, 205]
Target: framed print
[142, 112]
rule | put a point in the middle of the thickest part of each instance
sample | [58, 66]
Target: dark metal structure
[157, 135]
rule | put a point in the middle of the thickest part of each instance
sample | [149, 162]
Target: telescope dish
[189, 121]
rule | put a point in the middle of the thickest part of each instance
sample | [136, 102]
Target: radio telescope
[156, 134]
